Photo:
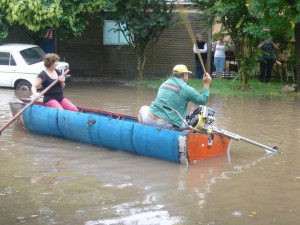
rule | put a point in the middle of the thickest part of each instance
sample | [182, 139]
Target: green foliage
[142, 22]
[245, 20]
[33, 14]
[281, 17]
[3, 29]
[234, 17]
[77, 15]
[68, 17]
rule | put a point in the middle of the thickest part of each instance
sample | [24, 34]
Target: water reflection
[46, 180]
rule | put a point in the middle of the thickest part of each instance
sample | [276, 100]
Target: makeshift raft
[120, 132]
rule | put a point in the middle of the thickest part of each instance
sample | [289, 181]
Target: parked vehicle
[20, 64]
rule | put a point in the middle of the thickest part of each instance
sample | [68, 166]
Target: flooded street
[47, 180]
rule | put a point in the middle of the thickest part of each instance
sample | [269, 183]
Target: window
[111, 36]
[33, 55]
[6, 59]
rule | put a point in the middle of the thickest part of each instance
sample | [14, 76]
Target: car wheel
[23, 85]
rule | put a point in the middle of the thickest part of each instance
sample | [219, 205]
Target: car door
[8, 69]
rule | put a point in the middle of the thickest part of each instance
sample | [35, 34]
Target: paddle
[31, 102]
[189, 28]
[227, 133]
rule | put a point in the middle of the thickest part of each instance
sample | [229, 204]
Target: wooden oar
[30, 103]
[189, 28]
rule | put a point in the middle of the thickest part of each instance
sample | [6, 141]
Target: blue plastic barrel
[76, 126]
[42, 120]
[113, 133]
[104, 131]
[155, 142]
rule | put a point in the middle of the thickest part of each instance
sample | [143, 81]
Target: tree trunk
[140, 64]
[243, 81]
[240, 53]
[138, 68]
[297, 46]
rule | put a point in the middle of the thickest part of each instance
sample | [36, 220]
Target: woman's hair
[50, 59]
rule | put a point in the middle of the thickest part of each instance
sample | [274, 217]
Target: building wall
[88, 57]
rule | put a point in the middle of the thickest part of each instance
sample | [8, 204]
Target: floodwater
[46, 180]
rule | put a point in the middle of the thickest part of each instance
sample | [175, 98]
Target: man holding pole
[174, 93]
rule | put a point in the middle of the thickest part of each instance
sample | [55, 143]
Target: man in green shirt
[174, 93]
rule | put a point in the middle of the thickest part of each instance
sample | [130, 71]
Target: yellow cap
[178, 69]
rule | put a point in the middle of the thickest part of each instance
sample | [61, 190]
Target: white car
[20, 64]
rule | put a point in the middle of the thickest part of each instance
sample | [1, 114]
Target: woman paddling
[54, 96]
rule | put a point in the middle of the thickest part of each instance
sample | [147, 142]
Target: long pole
[29, 104]
[191, 33]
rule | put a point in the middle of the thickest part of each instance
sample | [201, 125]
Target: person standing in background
[267, 60]
[219, 57]
[202, 49]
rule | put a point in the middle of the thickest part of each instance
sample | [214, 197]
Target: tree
[142, 22]
[281, 16]
[245, 20]
[234, 17]
[3, 28]
[69, 18]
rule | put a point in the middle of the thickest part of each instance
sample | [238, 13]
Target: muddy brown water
[46, 180]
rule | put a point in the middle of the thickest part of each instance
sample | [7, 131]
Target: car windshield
[33, 55]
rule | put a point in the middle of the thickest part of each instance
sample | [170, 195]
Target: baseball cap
[180, 68]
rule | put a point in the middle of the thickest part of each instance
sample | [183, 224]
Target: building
[91, 55]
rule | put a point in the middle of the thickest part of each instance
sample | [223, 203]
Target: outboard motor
[201, 119]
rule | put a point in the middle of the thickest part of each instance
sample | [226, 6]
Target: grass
[226, 87]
